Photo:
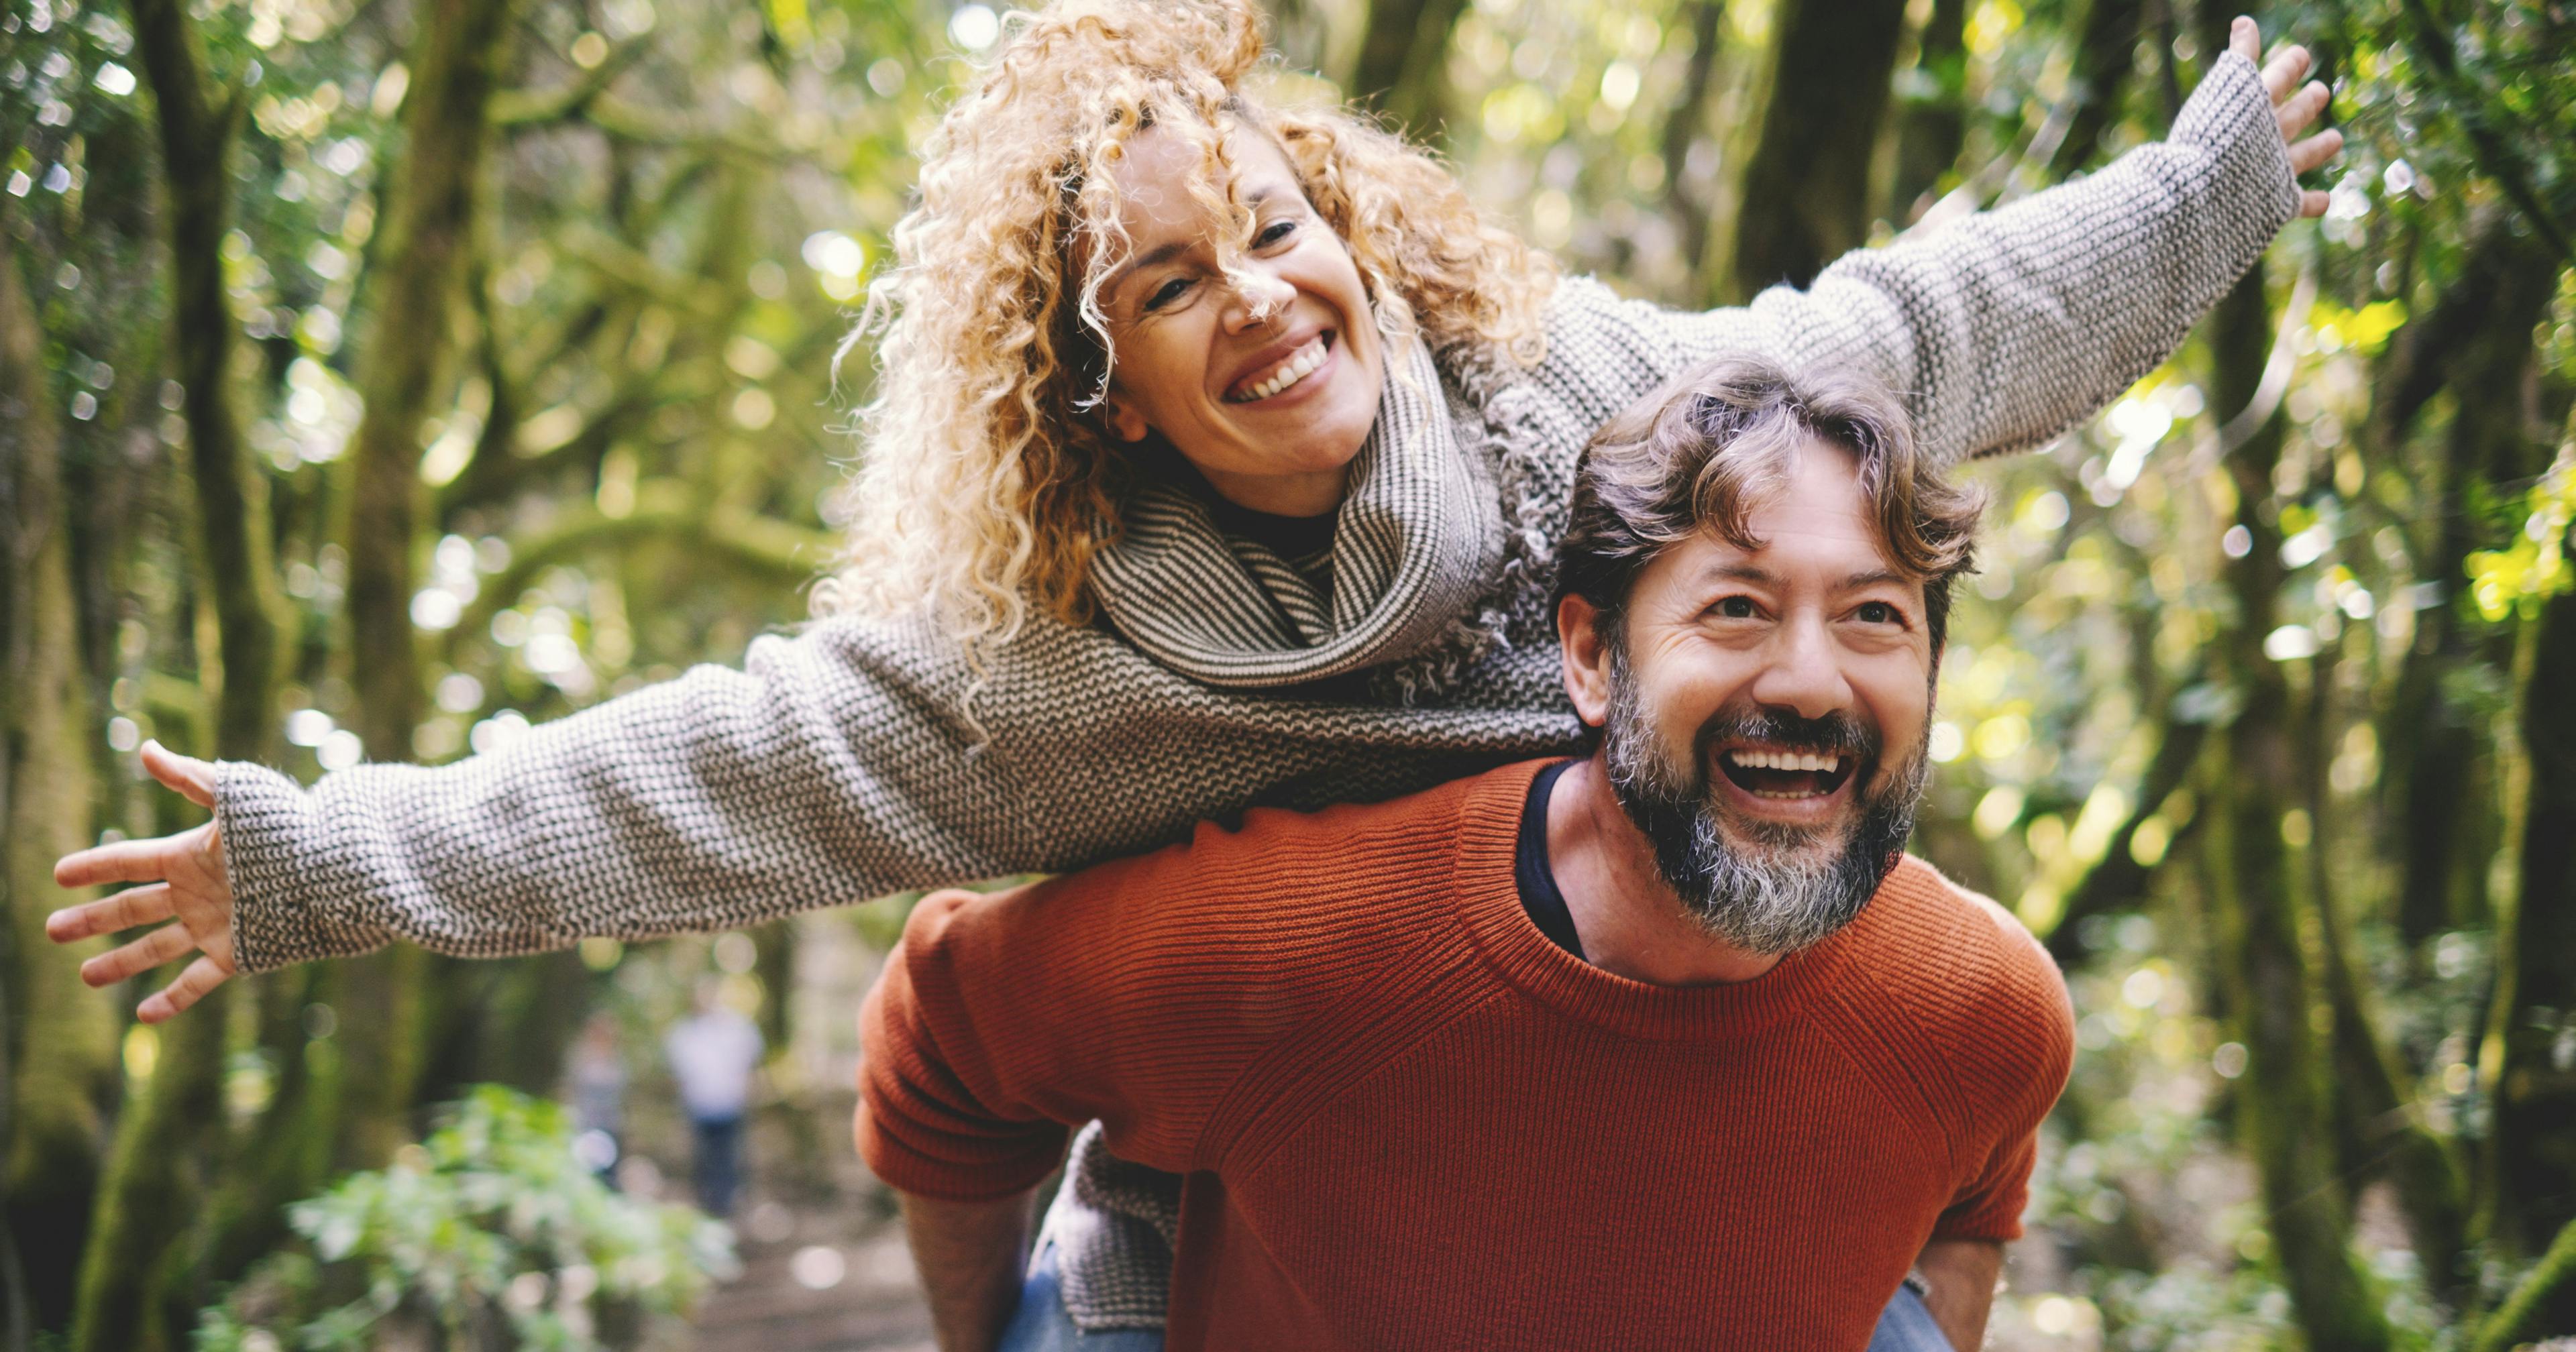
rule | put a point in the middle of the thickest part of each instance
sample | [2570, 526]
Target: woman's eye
[1274, 232]
[1737, 608]
[1167, 293]
[1879, 612]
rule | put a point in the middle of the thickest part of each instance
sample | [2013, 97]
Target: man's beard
[1774, 899]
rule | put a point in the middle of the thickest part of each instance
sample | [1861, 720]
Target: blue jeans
[1043, 1326]
[719, 1163]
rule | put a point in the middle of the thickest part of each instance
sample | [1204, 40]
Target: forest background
[378, 377]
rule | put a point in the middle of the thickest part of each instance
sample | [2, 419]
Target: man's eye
[1274, 232]
[1736, 608]
[1167, 293]
[1879, 612]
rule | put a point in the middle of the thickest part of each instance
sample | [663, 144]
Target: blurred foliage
[489, 1234]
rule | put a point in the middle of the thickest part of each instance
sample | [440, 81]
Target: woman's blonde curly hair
[988, 482]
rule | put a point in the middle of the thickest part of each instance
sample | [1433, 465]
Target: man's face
[1765, 716]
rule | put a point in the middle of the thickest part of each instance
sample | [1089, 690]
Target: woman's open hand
[185, 880]
[2294, 106]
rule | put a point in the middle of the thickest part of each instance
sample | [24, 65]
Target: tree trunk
[1686, 197]
[141, 1283]
[2284, 1105]
[1932, 123]
[2477, 344]
[57, 1038]
[421, 252]
[1806, 197]
[1404, 61]
[2381, 1124]
[2105, 52]
[2533, 1153]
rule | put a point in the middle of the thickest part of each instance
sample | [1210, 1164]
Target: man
[713, 1054]
[1666, 1047]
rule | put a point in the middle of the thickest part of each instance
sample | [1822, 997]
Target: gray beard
[1777, 899]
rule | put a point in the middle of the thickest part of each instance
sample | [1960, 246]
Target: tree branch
[2495, 146]
[2118, 879]
[528, 109]
[766, 548]
[2554, 1268]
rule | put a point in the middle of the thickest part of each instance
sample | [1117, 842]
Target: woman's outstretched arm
[833, 767]
[836, 766]
[2004, 328]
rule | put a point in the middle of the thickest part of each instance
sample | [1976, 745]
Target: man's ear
[1587, 659]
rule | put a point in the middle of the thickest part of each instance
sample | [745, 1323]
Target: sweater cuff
[934, 1166]
[276, 864]
[2230, 117]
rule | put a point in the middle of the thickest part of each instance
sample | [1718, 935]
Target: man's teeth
[1300, 364]
[1784, 760]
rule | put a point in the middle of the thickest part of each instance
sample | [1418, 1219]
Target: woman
[1219, 454]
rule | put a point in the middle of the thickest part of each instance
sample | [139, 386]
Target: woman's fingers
[202, 976]
[2244, 39]
[193, 778]
[2295, 113]
[2315, 151]
[126, 861]
[142, 955]
[2283, 72]
[2312, 202]
[108, 915]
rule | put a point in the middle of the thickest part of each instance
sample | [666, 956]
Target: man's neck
[1630, 921]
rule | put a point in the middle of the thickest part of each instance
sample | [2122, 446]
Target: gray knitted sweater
[839, 764]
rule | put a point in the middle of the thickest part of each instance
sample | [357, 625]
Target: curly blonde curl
[988, 483]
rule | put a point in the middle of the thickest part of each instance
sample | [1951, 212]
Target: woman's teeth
[1300, 364]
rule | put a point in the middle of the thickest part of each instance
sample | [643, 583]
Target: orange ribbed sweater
[1409, 1121]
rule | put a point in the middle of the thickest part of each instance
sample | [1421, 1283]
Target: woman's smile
[1279, 380]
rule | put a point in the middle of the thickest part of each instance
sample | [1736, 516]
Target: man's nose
[1803, 673]
[1259, 297]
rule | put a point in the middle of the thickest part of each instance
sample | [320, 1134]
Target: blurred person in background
[598, 1077]
[713, 1055]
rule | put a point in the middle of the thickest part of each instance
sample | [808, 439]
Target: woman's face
[1267, 381]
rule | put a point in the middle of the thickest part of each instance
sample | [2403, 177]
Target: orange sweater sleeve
[2025, 1050]
[937, 1116]
[1134, 993]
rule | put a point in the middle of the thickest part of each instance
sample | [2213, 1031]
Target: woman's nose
[1260, 297]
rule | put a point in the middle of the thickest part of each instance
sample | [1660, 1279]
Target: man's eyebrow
[1874, 577]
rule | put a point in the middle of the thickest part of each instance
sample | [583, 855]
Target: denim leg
[1906, 1326]
[1041, 1325]
[719, 1163]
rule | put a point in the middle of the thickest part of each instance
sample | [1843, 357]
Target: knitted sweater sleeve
[837, 765]
[832, 768]
[2001, 329]
[2009, 1062]
[1132, 993]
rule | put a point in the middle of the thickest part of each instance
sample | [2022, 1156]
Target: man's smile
[1787, 785]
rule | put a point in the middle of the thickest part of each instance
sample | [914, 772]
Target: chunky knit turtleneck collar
[1419, 541]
